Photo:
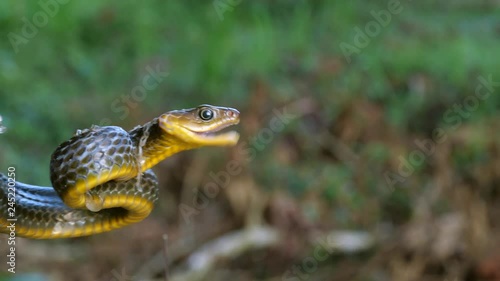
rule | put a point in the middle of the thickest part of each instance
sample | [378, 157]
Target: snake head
[200, 126]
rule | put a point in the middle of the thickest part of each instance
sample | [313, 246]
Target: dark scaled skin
[101, 176]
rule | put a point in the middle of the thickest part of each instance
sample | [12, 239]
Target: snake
[102, 177]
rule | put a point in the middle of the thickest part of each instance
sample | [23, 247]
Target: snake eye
[206, 114]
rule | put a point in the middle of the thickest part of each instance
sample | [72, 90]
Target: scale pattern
[92, 155]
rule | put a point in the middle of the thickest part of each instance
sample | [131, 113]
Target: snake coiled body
[102, 178]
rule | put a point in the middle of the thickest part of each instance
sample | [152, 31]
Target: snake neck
[154, 144]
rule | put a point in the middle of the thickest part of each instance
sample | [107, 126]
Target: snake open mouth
[218, 135]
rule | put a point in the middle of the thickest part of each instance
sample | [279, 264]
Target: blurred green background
[357, 117]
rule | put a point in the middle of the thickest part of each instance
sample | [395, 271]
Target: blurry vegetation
[325, 171]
